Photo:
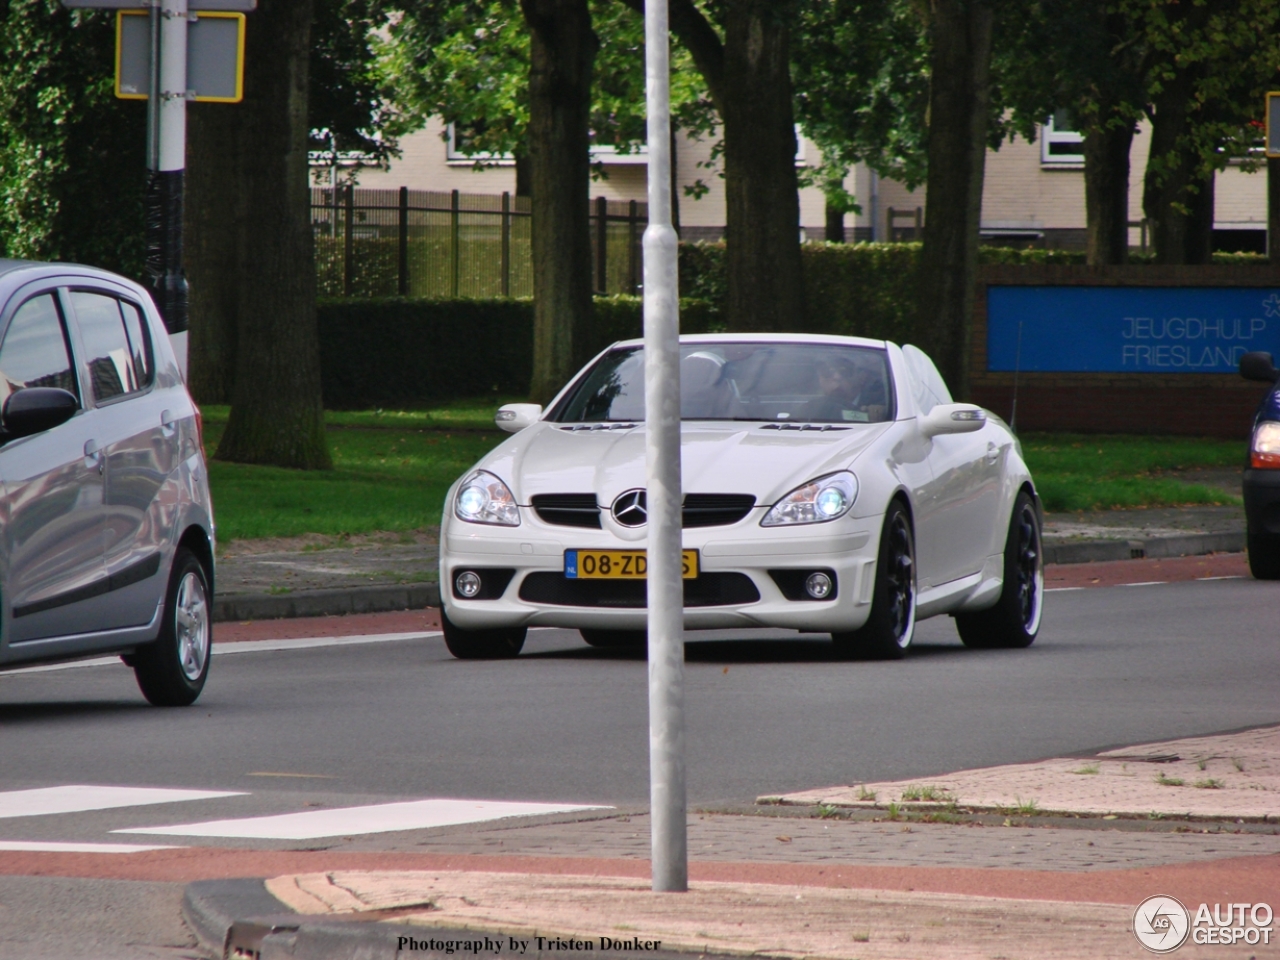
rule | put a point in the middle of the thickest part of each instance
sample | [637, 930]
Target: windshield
[804, 382]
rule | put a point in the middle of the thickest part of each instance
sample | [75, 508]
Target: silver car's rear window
[799, 382]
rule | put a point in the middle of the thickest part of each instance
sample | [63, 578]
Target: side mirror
[1259, 366]
[514, 417]
[35, 410]
[953, 418]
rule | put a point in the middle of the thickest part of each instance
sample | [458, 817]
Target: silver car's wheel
[172, 670]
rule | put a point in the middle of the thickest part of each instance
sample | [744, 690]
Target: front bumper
[1261, 490]
[727, 554]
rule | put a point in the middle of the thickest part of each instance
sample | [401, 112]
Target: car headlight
[1264, 452]
[827, 498]
[483, 498]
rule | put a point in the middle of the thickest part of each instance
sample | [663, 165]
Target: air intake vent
[568, 509]
[716, 509]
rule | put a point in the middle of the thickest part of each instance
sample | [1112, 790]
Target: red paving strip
[1117, 572]
[1239, 879]
[353, 624]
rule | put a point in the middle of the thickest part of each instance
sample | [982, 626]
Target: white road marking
[1144, 583]
[77, 798]
[246, 646]
[35, 846]
[1061, 589]
[1234, 576]
[350, 821]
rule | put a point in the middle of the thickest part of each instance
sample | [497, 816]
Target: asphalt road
[566, 722]
[358, 724]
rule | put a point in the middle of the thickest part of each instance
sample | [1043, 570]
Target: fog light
[467, 584]
[818, 585]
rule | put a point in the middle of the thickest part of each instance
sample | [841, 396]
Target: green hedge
[867, 289]
[397, 352]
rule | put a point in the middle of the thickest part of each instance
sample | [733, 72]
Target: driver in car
[849, 391]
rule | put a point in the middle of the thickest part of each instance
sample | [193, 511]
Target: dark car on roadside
[106, 524]
[1262, 471]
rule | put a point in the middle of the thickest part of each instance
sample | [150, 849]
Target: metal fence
[422, 243]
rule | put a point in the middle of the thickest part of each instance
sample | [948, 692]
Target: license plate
[618, 564]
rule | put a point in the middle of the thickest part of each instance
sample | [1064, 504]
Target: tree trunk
[277, 414]
[215, 216]
[562, 49]
[1273, 210]
[1106, 192]
[762, 200]
[959, 104]
[524, 176]
[1174, 196]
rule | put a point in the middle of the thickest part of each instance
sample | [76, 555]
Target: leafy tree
[1210, 63]
[72, 156]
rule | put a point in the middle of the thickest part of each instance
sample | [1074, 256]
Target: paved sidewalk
[786, 884]
[1230, 777]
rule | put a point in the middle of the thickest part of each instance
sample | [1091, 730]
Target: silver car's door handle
[993, 452]
[168, 423]
[93, 454]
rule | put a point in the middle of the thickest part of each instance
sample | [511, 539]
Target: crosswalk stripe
[36, 846]
[348, 821]
[76, 798]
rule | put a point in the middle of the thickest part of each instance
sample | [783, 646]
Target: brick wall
[1195, 404]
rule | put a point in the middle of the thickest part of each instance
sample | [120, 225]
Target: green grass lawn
[1079, 472]
[392, 468]
[391, 471]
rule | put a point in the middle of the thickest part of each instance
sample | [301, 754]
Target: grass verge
[391, 471]
[392, 468]
[1078, 472]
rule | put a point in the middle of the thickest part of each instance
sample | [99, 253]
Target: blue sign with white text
[1129, 329]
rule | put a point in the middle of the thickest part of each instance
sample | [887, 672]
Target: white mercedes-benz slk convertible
[830, 485]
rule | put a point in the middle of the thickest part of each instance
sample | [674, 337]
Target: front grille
[568, 509]
[716, 509]
[708, 590]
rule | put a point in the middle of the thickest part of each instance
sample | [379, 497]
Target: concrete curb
[1157, 548]
[238, 919]
[382, 598]
[320, 603]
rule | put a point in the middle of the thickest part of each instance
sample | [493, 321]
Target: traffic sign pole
[164, 199]
[662, 458]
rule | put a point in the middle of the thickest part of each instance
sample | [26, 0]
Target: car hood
[715, 458]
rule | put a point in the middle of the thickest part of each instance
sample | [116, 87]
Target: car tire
[500, 643]
[1264, 556]
[615, 639]
[889, 629]
[171, 670]
[1015, 619]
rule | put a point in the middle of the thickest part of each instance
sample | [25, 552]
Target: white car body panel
[959, 488]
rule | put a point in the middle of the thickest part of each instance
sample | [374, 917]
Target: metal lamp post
[662, 455]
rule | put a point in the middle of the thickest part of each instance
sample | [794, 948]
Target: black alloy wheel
[890, 627]
[1014, 621]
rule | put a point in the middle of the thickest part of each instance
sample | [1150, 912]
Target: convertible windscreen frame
[748, 381]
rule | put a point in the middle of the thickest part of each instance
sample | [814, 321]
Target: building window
[1060, 142]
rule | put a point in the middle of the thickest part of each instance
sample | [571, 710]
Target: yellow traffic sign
[215, 56]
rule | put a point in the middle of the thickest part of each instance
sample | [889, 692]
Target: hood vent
[580, 427]
[568, 509]
[826, 427]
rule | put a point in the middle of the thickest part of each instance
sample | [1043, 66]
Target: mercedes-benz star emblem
[629, 509]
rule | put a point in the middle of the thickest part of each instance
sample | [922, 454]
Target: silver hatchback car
[106, 524]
